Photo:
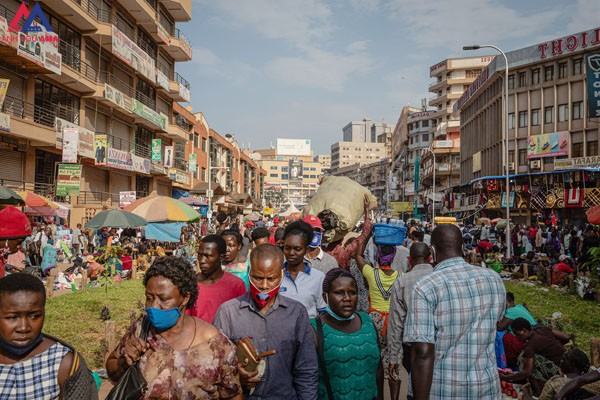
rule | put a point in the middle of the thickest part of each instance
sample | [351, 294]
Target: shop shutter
[121, 135]
[95, 123]
[119, 183]
[163, 189]
[11, 166]
[94, 183]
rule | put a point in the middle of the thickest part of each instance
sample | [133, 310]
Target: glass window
[522, 119]
[273, 175]
[273, 167]
[425, 137]
[425, 123]
[284, 176]
[522, 79]
[592, 148]
[535, 117]
[576, 149]
[577, 109]
[511, 81]
[204, 145]
[535, 76]
[549, 73]
[577, 66]
[523, 157]
[549, 114]
[511, 120]
[562, 70]
[563, 112]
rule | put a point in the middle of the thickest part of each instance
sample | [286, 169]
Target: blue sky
[264, 69]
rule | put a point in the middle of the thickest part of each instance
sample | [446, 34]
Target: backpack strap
[321, 354]
[385, 293]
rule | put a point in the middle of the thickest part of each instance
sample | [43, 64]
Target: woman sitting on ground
[183, 357]
[34, 365]
[346, 342]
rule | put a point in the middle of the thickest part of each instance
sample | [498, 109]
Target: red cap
[13, 223]
[313, 221]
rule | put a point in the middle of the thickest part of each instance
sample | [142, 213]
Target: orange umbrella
[35, 200]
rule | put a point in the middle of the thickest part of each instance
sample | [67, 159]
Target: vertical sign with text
[592, 65]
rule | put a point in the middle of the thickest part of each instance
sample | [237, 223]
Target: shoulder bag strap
[321, 354]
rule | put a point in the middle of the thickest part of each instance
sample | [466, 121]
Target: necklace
[193, 338]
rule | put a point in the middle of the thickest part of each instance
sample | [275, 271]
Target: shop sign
[100, 148]
[569, 44]
[119, 159]
[443, 144]
[477, 162]
[168, 156]
[512, 199]
[117, 97]
[149, 114]
[70, 144]
[549, 145]
[156, 151]
[140, 164]
[592, 73]
[158, 169]
[401, 206]
[193, 163]
[162, 79]
[179, 176]
[3, 89]
[185, 93]
[4, 122]
[68, 181]
[86, 137]
[132, 54]
[578, 162]
[126, 198]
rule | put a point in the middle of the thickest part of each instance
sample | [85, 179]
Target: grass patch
[75, 318]
[578, 316]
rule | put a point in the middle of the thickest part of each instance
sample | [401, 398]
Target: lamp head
[472, 47]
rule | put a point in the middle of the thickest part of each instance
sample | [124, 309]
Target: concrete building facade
[344, 154]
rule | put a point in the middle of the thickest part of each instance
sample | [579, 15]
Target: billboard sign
[68, 181]
[592, 73]
[70, 144]
[549, 145]
[132, 54]
[117, 97]
[295, 170]
[293, 147]
[126, 198]
[119, 159]
[100, 148]
[577, 162]
[86, 137]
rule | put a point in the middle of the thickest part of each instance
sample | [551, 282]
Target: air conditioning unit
[535, 164]
[511, 166]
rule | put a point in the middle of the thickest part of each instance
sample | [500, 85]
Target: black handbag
[132, 384]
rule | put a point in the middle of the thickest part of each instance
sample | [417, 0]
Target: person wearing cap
[317, 258]
[561, 270]
[14, 228]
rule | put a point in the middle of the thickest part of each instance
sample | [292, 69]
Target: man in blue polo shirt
[301, 282]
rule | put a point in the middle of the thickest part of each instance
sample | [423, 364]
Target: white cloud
[443, 23]
[365, 5]
[204, 56]
[320, 69]
[583, 15]
[407, 85]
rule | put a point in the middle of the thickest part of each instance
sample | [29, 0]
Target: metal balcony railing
[182, 123]
[145, 99]
[90, 8]
[44, 189]
[42, 113]
[182, 81]
[89, 198]
[71, 55]
[142, 150]
[179, 35]
[118, 143]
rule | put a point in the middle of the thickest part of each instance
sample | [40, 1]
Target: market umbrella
[192, 201]
[115, 219]
[156, 208]
[9, 196]
[34, 200]
[253, 217]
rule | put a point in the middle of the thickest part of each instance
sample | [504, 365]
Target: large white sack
[342, 196]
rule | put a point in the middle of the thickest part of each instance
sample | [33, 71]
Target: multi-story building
[374, 176]
[344, 154]
[325, 161]
[552, 131]
[386, 138]
[365, 131]
[291, 174]
[108, 71]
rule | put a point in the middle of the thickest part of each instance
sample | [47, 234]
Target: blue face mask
[316, 239]
[161, 319]
[329, 311]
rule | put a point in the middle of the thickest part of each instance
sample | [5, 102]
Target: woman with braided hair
[349, 361]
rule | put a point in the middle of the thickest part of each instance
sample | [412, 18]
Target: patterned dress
[205, 371]
[34, 378]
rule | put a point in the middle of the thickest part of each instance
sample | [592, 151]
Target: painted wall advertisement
[168, 163]
[70, 145]
[126, 198]
[156, 151]
[117, 97]
[401, 206]
[68, 181]
[100, 147]
[293, 147]
[549, 145]
[193, 163]
[132, 54]
[295, 170]
[140, 164]
[592, 72]
[142, 110]
[85, 146]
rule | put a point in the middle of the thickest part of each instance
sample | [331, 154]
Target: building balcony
[179, 47]
[435, 100]
[174, 131]
[143, 11]
[437, 85]
[442, 170]
[180, 89]
[81, 14]
[445, 127]
[180, 10]
[36, 121]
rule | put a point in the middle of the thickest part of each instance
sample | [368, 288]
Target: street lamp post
[430, 150]
[507, 168]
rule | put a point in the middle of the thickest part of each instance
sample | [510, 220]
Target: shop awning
[510, 176]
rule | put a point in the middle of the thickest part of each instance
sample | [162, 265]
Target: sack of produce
[339, 203]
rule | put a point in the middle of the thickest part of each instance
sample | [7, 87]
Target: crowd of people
[268, 310]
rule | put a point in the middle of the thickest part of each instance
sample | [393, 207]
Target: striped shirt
[456, 308]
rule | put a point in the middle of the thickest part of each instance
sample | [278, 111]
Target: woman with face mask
[183, 357]
[346, 342]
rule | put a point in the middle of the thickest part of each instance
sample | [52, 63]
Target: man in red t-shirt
[215, 286]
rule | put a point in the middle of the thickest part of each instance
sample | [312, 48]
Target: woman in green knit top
[349, 361]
